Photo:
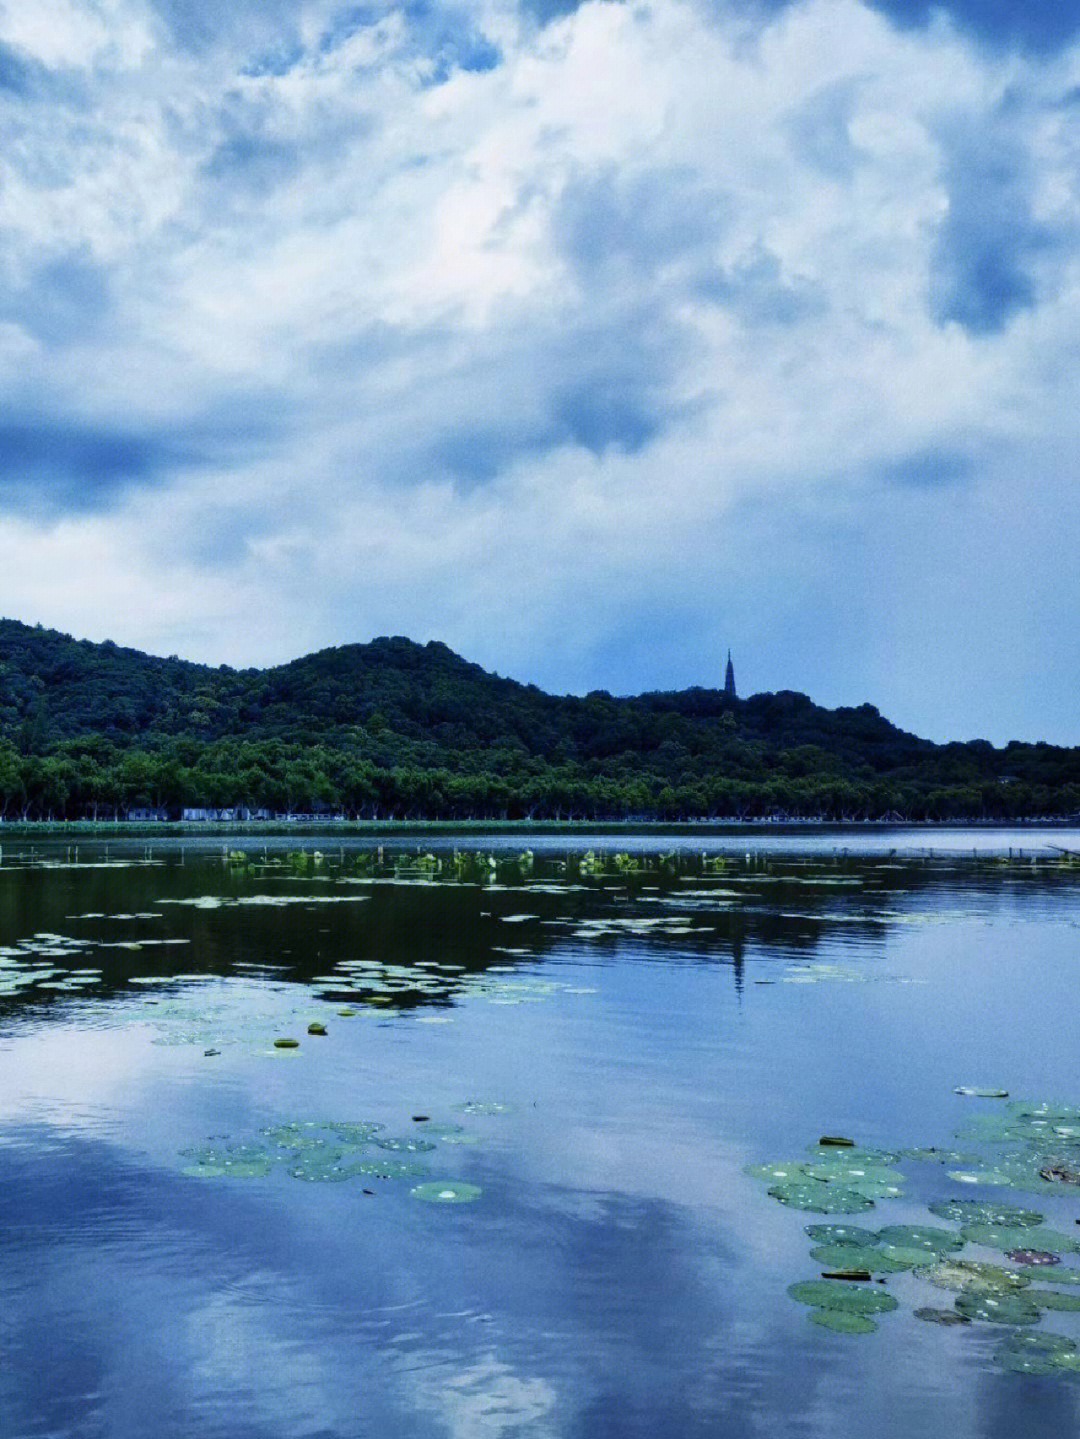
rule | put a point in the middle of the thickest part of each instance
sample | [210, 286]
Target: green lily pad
[947, 1318]
[996, 1177]
[1001, 1236]
[407, 1145]
[1060, 1276]
[286, 1043]
[1051, 1299]
[355, 1133]
[921, 1236]
[855, 1154]
[931, 1154]
[849, 1234]
[1040, 1354]
[391, 1168]
[238, 1161]
[986, 1211]
[849, 1256]
[820, 1198]
[998, 1308]
[780, 1171]
[447, 1191]
[323, 1166]
[973, 1276]
[836, 1294]
[842, 1321]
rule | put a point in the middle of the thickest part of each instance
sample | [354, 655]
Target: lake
[520, 1186]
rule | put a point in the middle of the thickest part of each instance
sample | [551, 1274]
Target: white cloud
[535, 355]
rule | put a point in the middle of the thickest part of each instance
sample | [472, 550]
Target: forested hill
[398, 729]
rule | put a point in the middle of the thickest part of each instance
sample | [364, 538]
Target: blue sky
[588, 338]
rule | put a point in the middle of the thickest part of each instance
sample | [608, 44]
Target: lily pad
[1039, 1353]
[842, 1321]
[973, 1276]
[835, 1294]
[407, 1145]
[947, 1318]
[391, 1169]
[780, 1170]
[986, 1211]
[921, 1236]
[996, 1177]
[848, 1234]
[1004, 1237]
[873, 1261]
[286, 1043]
[998, 1308]
[1051, 1299]
[975, 1092]
[323, 1166]
[1060, 1276]
[447, 1191]
[1033, 1258]
[819, 1198]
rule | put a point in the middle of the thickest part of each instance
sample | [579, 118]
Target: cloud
[589, 338]
[990, 242]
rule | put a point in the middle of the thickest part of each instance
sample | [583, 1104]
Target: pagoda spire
[729, 678]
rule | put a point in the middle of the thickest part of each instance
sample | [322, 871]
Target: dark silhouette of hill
[395, 728]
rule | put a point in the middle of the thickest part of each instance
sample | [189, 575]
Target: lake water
[505, 1193]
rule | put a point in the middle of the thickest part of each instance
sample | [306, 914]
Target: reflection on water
[576, 1055]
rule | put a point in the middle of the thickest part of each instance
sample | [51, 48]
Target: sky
[591, 339]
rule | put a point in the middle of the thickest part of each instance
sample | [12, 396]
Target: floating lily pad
[391, 1169]
[931, 1154]
[998, 1308]
[1033, 1258]
[835, 1294]
[986, 1211]
[842, 1321]
[873, 1261]
[1039, 1353]
[1051, 1299]
[1059, 1276]
[1004, 1237]
[995, 1177]
[237, 1161]
[286, 1044]
[322, 1166]
[857, 1176]
[407, 1145]
[781, 1170]
[947, 1318]
[973, 1276]
[819, 1198]
[921, 1236]
[354, 1132]
[848, 1234]
[855, 1154]
[447, 1191]
[976, 1092]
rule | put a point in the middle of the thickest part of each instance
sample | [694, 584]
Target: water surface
[584, 1047]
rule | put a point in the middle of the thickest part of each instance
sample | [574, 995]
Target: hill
[398, 729]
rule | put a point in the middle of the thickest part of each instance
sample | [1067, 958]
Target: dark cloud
[989, 240]
[929, 469]
[819, 131]
[755, 291]
[197, 27]
[66, 299]
[253, 162]
[1040, 26]
[442, 35]
[547, 10]
[48, 467]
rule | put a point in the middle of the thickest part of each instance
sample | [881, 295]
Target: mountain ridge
[393, 726]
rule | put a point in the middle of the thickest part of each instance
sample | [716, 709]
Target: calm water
[585, 1050]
